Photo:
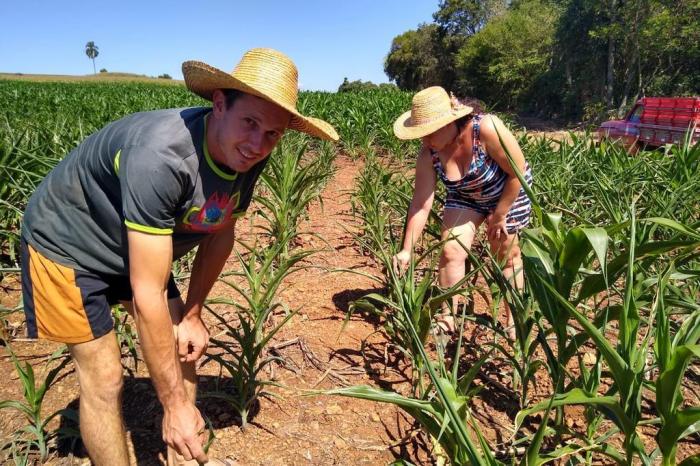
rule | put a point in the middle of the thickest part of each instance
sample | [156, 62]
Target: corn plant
[380, 200]
[673, 356]
[290, 184]
[262, 273]
[442, 407]
[522, 351]
[408, 306]
[627, 361]
[34, 438]
[127, 337]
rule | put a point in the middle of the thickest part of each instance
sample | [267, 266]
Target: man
[107, 222]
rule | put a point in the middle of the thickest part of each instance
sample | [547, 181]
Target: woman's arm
[419, 210]
[491, 128]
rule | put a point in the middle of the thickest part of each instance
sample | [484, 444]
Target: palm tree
[92, 51]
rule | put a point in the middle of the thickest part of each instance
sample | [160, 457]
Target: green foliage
[501, 63]
[127, 337]
[34, 438]
[467, 17]
[560, 58]
[359, 85]
[92, 51]
[242, 354]
[413, 61]
[289, 184]
[602, 289]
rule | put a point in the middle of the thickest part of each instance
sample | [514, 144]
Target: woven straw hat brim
[403, 129]
[203, 79]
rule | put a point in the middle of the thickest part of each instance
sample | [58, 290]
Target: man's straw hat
[431, 109]
[265, 73]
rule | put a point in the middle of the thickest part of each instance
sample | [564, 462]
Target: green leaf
[608, 405]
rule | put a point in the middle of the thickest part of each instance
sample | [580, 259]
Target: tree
[467, 17]
[356, 86]
[559, 58]
[92, 51]
[413, 61]
[502, 62]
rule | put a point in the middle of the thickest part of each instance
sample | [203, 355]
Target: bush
[103, 70]
[165, 76]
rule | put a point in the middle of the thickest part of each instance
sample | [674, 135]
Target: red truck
[656, 121]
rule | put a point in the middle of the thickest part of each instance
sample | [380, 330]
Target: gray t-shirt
[149, 171]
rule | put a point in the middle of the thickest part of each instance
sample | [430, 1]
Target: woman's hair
[477, 108]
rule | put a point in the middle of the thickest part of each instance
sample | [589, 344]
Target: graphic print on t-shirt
[213, 215]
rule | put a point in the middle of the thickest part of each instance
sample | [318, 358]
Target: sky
[328, 40]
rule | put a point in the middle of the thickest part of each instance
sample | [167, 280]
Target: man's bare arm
[208, 263]
[193, 336]
[150, 258]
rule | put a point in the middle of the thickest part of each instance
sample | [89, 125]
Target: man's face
[245, 133]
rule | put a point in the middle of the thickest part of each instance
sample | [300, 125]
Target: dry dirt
[321, 350]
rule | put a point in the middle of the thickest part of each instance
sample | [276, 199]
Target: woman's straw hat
[431, 109]
[265, 73]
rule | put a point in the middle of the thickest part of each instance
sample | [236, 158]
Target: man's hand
[192, 338]
[183, 430]
[496, 227]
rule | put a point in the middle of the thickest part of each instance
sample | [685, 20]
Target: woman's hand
[400, 261]
[496, 227]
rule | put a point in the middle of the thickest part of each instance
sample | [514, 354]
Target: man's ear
[218, 101]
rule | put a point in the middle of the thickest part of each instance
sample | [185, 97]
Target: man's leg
[62, 304]
[98, 364]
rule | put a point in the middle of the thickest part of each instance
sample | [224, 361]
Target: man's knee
[103, 385]
[98, 364]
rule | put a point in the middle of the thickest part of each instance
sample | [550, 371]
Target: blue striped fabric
[481, 187]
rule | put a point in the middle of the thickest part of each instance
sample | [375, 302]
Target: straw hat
[265, 73]
[431, 109]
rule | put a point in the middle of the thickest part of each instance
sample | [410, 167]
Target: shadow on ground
[143, 415]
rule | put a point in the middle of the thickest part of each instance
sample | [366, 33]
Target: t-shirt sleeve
[151, 185]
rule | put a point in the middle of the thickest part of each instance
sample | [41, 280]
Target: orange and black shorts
[69, 305]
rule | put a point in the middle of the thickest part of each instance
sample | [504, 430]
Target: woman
[461, 146]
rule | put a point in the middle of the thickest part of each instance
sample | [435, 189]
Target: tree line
[567, 59]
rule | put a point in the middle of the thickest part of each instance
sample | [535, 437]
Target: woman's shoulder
[490, 125]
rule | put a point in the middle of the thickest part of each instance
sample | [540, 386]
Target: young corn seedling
[290, 184]
[408, 307]
[523, 355]
[673, 354]
[127, 337]
[441, 408]
[262, 273]
[627, 361]
[405, 297]
[34, 438]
